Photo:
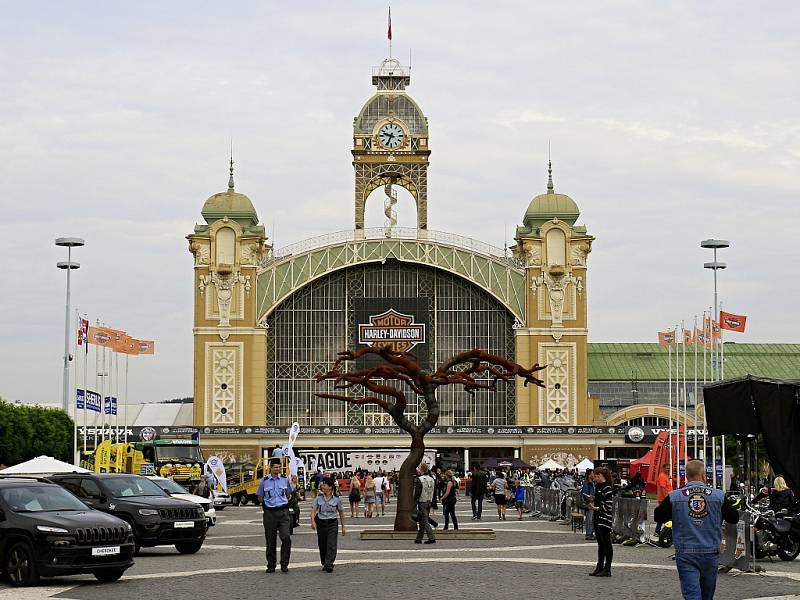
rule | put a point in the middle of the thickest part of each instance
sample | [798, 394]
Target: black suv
[156, 519]
[46, 531]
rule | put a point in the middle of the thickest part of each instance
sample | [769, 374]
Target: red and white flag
[83, 332]
[389, 32]
[667, 338]
[732, 322]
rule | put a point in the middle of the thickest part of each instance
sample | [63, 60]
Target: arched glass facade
[307, 330]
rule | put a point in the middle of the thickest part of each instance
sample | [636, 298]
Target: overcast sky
[669, 123]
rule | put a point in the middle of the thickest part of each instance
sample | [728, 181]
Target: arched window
[556, 247]
[226, 246]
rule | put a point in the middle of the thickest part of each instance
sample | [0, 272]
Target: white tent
[583, 465]
[551, 464]
[42, 465]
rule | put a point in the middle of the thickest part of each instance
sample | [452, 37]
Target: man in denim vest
[696, 511]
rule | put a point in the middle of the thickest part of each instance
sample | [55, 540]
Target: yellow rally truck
[179, 459]
[244, 480]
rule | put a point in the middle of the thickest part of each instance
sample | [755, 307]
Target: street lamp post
[69, 243]
[715, 266]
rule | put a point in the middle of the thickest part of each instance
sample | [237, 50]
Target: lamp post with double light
[69, 265]
[716, 363]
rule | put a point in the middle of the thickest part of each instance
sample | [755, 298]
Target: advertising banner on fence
[351, 460]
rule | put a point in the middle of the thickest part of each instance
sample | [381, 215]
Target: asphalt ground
[531, 556]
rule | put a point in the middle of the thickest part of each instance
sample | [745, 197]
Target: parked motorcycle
[776, 534]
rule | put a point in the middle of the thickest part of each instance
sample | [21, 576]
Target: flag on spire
[389, 32]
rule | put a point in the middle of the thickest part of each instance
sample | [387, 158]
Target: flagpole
[116, 398]
[695, 387]
[705, 348]
[74, 402]
[85, 365]
[669, 403]
[721, 377]
[126, 398]
[685, 412]
[97, 384]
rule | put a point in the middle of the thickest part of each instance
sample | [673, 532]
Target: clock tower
[390, 146]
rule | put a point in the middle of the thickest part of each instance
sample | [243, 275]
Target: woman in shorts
[500, 488]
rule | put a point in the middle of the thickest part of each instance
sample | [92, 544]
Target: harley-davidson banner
[403, 324]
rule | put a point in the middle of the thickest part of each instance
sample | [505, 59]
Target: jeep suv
[156, 519]
[46, 531]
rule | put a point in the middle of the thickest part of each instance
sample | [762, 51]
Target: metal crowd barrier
[630, 518]
[551, 504]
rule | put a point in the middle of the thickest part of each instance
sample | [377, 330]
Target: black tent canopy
[751, 405]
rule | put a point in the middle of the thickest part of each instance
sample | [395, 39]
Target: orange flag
[127, 345]
[701, 338]
[666, 338]
[103, 336]
[732, 322]
[147, 347]
[688, 337]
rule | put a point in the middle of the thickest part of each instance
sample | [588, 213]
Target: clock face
[391, 136]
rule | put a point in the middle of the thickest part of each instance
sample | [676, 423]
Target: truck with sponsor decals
[244, 480]
[178, 459]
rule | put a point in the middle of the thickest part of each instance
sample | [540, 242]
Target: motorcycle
[776, 534]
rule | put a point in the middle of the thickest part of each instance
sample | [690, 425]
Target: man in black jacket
[477, 490]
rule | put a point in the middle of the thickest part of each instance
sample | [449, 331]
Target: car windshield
[183, 454]
[169, 486]
[40, 498]
[124, 487]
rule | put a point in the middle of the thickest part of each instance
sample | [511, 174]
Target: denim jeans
[588, 522]
[698, 575]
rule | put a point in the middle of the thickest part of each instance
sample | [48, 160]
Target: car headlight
[148, 512]
[46, 529]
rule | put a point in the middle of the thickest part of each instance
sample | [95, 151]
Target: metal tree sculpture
[377, 381]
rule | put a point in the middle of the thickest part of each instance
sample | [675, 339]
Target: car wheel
[236, 500]
[19, 565]
[188, 547]
[108, 575]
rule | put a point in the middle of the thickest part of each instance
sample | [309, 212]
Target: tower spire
[230, 179]
[550, 188]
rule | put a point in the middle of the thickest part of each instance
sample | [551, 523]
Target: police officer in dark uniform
[273, 494]
[696, 511]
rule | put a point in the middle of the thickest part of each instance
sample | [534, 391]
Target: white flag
[217, 469]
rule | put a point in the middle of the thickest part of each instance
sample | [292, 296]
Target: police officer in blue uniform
[273, 494]
[696, 511]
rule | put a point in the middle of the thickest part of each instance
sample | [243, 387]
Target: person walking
[203, 488]
[696, 511]
[500, 486]
[423, 494]
[477, 491]
[379, 482]
[354, 496]
[519, 498]
[273, 495]
[325, 509]
[449, 499]
[663, 488]
[369, 496]
[587, 497]
[603, 507]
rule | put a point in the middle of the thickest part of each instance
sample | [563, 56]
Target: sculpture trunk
[405, 491]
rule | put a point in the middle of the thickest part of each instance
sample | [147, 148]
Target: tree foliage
[30, 431]
[382, 385]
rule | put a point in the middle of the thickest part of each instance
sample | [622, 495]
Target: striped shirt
[604, 501]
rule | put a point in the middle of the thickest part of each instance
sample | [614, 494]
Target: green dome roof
[231, 204]
[549, 206]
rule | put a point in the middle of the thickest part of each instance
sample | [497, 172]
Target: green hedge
[30, 431]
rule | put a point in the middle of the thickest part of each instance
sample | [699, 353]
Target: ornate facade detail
[223, 385]
[533, 256]
[558, 405]
[578, 252]
[225, 284]
[251, 254]
[556, 287]
[201, 252]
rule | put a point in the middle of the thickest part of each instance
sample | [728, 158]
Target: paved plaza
[543, 556]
